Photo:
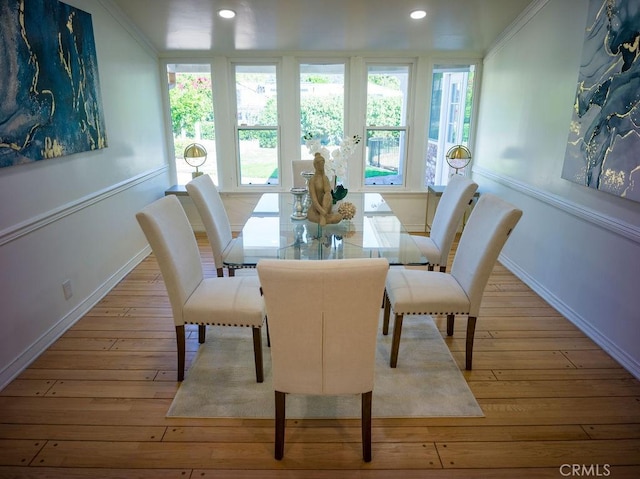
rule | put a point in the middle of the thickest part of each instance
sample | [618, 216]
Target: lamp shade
[459, 152]
[195, 151]
[458, 157]
[195, 155]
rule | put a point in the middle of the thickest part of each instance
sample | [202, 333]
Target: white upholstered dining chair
[195, 299]
[460, 291]
[298, 167]
[454, 200]
[214, 217]
[323, 321]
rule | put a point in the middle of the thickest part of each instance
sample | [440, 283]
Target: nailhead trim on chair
[425, 312]
[223, 324]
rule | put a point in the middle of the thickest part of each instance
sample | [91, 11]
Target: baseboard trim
[596, 336]
[47, 339]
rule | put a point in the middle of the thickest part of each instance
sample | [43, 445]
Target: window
[191, 105]
[386, 135]
[257, 124]
[450, 118]
[330, 98]
[322, 103]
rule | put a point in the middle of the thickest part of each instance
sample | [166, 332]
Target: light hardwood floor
[93, 405]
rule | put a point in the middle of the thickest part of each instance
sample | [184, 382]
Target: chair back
[323, 321]
[209, 204]
[297, 167]
[167, 228]
[484, 236]
[451, 208]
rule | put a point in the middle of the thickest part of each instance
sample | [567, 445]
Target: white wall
[577, 247]
[72, 218]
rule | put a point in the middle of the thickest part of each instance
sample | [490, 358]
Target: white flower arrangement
[337, 161]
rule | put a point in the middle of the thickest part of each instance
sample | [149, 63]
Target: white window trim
[449, 62]
[233, 103]
[408, 117]
[287, 70]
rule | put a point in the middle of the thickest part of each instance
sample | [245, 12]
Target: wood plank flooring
[93, 405]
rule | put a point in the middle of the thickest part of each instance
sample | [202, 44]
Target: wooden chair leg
[220, 272]
[395, 342]
[266, 322]
[202, 333]
[366, 426]
[280, 420]
[471, 331]
[385, 317]
[257, 353]
[232, 272]
[180, 341]
[450, 319]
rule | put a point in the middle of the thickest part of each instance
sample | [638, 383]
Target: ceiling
[321, 25]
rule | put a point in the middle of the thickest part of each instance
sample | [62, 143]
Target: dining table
[275, 230]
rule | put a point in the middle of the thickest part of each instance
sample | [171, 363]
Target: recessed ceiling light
[227, 13]
[418, 14]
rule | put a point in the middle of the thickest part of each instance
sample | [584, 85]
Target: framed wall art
[603, 149]
[51, 105]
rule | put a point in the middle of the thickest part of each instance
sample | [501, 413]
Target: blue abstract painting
[50, 103]
[603, 150]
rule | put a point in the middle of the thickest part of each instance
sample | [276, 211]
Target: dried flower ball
[347, 210]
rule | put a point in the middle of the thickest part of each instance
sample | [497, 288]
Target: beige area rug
[427, 382]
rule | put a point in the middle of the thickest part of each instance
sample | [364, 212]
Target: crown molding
[518, 24]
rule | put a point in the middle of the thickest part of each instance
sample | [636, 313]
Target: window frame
[237, 128]
[164, 65]
[290, 134]
[441, 165]
[407, 114]
[344, 61]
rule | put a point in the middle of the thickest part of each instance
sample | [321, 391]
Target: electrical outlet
[66, 288]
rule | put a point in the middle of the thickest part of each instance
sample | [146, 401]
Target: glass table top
[271, 232]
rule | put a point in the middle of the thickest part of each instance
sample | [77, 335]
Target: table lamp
[458, 157]
[195, 155]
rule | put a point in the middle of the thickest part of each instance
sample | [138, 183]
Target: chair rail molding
[19, 230]
[621, 228]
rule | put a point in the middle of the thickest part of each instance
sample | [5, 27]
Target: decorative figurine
[320, 193]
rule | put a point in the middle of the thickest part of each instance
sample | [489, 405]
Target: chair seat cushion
[226, 302]
[425, 292]
[428, 248]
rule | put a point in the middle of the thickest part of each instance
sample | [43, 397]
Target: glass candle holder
[298, 203]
